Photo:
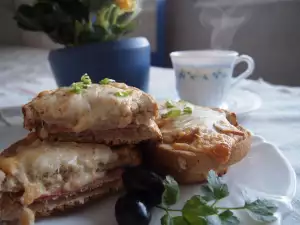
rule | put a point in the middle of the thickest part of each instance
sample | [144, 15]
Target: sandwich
[39, 178]
[196, 140]
[106, 113]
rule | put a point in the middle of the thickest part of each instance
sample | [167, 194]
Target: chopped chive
[106, 81]
[187, 110]
[123, 93]
[172, 113]
[169, 104]
[76, 88]
[86, 79]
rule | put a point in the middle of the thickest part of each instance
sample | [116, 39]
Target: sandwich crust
[41, 177]
[194, 143]
[93, 112]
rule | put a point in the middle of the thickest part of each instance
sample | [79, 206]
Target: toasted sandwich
[39, 178]
[197, 139]
[111, 113]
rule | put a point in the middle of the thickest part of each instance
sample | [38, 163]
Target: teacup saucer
[242, 101]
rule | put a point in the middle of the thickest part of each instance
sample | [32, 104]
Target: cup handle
[251, 65]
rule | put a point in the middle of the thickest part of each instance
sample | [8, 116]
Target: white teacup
[205, 77]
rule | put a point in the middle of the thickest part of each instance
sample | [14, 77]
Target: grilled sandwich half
[39, 178]
[111, 113]
[197, 139]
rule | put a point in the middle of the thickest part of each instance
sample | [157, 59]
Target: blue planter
[126, 60]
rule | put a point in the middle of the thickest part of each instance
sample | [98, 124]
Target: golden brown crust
[94, 111]
[192, 167]
[189, 149]
[130, 135]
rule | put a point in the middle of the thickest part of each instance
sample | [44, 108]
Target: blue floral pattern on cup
[184, 74]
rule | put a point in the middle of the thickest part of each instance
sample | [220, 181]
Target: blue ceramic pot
[126, 60]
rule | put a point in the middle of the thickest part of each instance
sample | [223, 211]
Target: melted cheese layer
[203, 130]
[93, 107]
[44, 168]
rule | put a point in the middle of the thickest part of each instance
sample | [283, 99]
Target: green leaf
[197, 207]
[171, 193]
[123, 93]
[228, 218]
[262, 210]
[219, 188]
[196, 220]
[187, 110]
[169, 104]
[207, 192]
[172, 113]
[166, 220]
[106, 81]
[179, 220]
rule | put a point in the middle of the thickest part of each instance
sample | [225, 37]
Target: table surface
[24, 72]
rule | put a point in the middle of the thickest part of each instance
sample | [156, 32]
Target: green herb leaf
[179, 220]
[196, 220]
[166, 220]
[197, 207]
[85, 79]
[187, 110]
[106, 81]
[228, 218]
[172, 113]
[169, 104]
[207, 192]
[171, 192]
[123, 93]
[219, 188]
[262, 210]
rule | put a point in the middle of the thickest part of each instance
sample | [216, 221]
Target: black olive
[130, 210]
[144, 183]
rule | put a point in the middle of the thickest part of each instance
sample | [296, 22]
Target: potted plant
[92, 33]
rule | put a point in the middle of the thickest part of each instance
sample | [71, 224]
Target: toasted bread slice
[196, 140]
[11, 211]
[93, 112]
[34, 171]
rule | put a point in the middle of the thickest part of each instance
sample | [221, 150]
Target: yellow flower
[126, 5]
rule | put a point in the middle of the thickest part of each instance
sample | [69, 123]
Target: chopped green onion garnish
[84, 83]
[86, 79]
[187, 110]
[76, 87]
[172, 113]
[123, 93]
[169, 104]
[106, 81]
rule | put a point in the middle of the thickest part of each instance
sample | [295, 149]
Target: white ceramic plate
[264, 173]
[242, 101]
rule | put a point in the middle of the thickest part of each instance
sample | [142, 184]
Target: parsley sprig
[83, 84]
[199, 208]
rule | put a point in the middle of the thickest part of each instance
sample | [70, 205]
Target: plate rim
[255, 107]
[291, 193]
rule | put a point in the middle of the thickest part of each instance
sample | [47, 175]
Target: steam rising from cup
[224, 20]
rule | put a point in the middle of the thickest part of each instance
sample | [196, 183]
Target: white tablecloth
[25, 71]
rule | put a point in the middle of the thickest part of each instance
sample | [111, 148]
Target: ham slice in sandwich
[39, 178]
